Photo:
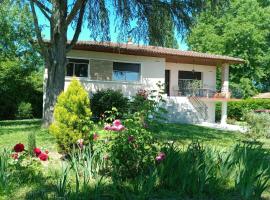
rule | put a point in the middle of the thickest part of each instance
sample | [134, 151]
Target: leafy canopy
[240, 29]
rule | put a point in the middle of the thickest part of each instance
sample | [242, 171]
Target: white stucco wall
[152, 71]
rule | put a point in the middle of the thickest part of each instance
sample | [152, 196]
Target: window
[189, 81]
[77, 67]
[126, 71]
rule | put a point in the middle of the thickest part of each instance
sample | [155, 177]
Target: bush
[150, 105]
[259, 123]
[237, 109]
[104, 100]
[72, 116]
[25, 111]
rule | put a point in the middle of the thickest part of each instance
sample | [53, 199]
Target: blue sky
[85, 34]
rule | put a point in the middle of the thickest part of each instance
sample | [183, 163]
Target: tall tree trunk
[55, 60]
[55, 64]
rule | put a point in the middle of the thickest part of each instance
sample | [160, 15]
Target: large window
[77, 67]
[126, 71]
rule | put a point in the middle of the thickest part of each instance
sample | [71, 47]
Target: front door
[167, 82]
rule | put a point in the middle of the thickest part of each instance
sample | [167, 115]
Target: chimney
[129, 40]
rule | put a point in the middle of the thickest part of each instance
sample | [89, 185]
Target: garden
[96, 150]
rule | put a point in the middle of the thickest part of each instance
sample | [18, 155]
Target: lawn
[12, 132]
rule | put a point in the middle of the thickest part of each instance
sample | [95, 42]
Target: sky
[85, 34]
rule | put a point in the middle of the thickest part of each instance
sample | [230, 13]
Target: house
[190, 77]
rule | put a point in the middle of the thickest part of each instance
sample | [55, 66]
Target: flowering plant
[132, 148]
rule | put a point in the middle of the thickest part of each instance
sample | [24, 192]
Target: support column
[224, 91]
[224, 113]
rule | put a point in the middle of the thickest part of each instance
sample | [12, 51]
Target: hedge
[236, 109]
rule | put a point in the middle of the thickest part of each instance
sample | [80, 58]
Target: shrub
[25, 111]
[237, 109]
[104, 100]
[150, 105]
[132, 149]
[258, 123]
[72, 116]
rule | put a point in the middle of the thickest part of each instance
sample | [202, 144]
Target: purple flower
[160, 157]
[131, 138]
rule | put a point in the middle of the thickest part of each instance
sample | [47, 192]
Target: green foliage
[20, 71]
[31, 143]
[150, 106]
[252, 171]
[234, 31]
[105, 100]
[237, 109]
[4, 168]
[25, 111]
[132, 151]
[72, 116]
[258, 123]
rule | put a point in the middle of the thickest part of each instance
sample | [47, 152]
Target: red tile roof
[171, 55]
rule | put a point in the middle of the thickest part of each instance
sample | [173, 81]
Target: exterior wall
[152, 71]
[180, 109]
[182, 104]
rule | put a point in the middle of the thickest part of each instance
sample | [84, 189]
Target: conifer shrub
[72, 117]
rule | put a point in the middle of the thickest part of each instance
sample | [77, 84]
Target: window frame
[74, 65]
[129, 81]
[122, 61]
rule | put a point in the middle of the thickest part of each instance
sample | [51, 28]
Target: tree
[61, 14]
[20, 74]
[161, 28]
[234, 31]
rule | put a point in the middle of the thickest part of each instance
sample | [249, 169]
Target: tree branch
[37, 29]
[78, 28]
[77, 6]
[43, 9]
[42, 6]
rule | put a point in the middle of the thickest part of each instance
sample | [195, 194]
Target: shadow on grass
[20, 122]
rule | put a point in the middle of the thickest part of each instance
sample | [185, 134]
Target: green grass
[13, 132]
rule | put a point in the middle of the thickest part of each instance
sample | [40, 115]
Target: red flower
[37, 151]
[18, 147]
[95, 136]
[43, 156]
[14, 156]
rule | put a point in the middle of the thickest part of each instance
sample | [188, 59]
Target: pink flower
[18, 147]
[95, 136]
[130, 138]
[43, 156]
[15, 156]
[80, 143]
[161, 156]
[107, 127]
[37, 151]
[117, 122]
